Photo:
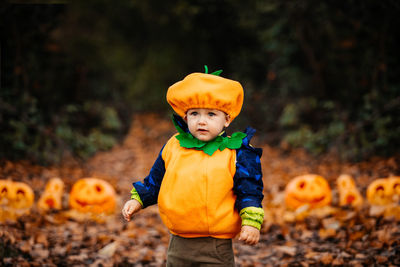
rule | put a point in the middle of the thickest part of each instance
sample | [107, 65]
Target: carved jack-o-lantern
[92, 195]
[384, 191]
[16, 195]
[52, 195]
[5, 189]
[394, 187]
[16, 199]
[23, 196]
[379, 192]
[348, 192]
[309, 189]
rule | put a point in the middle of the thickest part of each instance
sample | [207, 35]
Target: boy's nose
[202, 121]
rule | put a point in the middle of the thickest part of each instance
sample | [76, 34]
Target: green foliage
[80, 129]
[46, 113]
[317, 74]
[330, 66]
[378, 131]
[100, 136]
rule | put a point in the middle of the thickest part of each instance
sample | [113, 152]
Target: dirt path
[330, 237]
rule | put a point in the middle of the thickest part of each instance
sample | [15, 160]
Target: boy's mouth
[202, 130]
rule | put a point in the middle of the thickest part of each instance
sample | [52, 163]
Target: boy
[208, 186]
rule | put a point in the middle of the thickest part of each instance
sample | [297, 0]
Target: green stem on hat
[216, 73]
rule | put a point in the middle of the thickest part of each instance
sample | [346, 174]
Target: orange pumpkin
[379, 192]
[22, 196]
[52, 195]
[16, 199]
[348, 192]
[16, 195]
[384, 191]
[5, 192]
[92, 195]
[394, 188]
[309, 189]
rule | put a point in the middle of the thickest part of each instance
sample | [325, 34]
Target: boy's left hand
[249, 234]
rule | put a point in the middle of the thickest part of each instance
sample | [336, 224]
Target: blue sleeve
[248, 184]
[149, 188]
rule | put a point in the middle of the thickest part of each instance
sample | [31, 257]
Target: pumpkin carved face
[348, 192]
[16, 195]
[309, 189]
[52, 195]
[5, 192]
[394, 187]
[22, 196]
[92, 195]
[16, 199]
[384, 191]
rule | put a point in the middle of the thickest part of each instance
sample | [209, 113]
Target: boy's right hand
[131, 207]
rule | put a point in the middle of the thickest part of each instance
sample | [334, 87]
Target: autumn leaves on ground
[332, 235]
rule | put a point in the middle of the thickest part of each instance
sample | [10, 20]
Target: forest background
[82, 94]
[322, 75]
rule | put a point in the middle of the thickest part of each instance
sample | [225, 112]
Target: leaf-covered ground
[330, 236]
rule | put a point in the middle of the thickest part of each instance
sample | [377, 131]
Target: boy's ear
[228, 120]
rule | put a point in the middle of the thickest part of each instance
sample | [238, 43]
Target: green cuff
[252, 216]
[135, 195]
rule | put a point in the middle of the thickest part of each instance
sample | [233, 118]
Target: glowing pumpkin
[348, 192]
[16, 195]
[394, 188]
[92, 195]
[309, 189]
[52, 195]
[379, 192]
[16, 199]
[22, 196]
[384, 191]
[5, 192]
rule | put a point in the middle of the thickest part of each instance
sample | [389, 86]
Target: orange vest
[196, 197]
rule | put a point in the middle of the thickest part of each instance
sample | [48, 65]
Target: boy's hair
[201, 90]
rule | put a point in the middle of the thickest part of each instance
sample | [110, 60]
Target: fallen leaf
[291, 251]
[326, 233]
[326, 258]
[109, 250]
[376, 211]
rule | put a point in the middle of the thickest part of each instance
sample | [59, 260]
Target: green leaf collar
[187, 140]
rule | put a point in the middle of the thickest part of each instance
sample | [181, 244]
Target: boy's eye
[193, 113]
[211, 114]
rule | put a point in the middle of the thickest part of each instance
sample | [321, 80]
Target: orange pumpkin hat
[203, 90]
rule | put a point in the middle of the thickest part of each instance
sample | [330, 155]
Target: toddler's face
[206, 124]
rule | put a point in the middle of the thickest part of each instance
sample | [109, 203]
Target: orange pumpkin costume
[200, 194]
[196, 197]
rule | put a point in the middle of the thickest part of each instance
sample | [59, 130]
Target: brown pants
[201, 251]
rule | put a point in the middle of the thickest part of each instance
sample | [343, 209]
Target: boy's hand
[131, 207]
[249, 234]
